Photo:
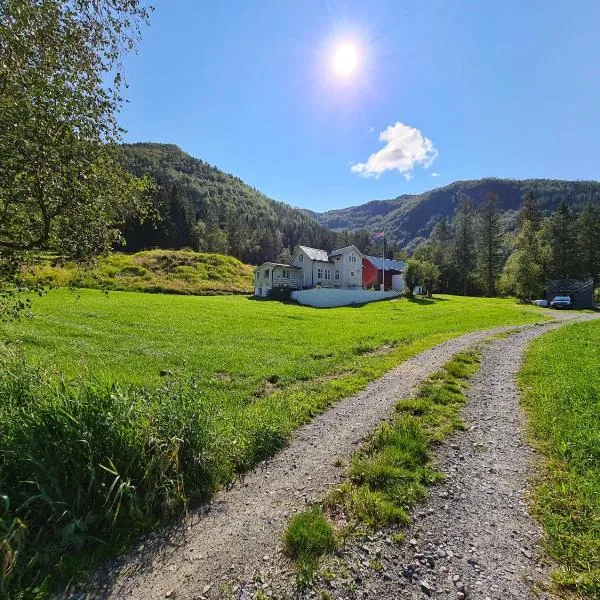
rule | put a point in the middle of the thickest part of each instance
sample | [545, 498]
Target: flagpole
[383, 260]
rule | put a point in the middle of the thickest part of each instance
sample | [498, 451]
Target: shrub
[281, 292]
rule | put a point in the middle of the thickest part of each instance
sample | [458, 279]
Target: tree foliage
[478, 251]
[489, 244]
[60, 187]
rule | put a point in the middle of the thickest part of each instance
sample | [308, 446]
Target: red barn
[373, 268]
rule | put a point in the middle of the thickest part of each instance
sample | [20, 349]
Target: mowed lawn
[131, 337]
[561, 382]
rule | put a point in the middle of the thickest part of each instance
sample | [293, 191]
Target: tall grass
[561, 383]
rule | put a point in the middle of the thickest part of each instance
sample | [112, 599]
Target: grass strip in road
[392, 471]
[560, 380]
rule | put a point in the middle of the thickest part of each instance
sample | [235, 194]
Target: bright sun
[345, 60]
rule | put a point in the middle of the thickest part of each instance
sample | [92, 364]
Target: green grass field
[561, 382]
[97, 445]
[235, 343]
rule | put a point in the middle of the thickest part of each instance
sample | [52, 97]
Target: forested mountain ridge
[409, 219]
[201, 207]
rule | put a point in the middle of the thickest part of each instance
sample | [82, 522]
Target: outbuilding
[374, 268]
[580, 291]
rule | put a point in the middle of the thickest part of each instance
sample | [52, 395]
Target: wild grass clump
[392, 472]
[307, 537]
[561, 383]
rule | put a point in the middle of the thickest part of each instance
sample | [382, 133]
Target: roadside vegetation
[562, 395]
[392, 471]
[164, 271]
[120, 410]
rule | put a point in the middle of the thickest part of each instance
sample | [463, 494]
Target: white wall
[327, 297]
[398, 283]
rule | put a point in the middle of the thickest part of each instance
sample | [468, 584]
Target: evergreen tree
[587, 228]
[562, 242]
[489, 244]
[530, 211]
[463, 227]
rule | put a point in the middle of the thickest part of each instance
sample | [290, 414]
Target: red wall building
[373, 270]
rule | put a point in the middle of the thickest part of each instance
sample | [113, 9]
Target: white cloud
[407, 176]
[435, 174]
[404, 148]
[371, 129]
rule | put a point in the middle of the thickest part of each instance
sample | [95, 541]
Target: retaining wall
[329, 297]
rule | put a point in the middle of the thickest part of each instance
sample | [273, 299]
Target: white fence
[329, 297]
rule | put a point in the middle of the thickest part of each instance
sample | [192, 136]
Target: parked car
[541, 302]
[561, 302]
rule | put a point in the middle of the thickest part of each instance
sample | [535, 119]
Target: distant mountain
[409, 219]
[203, 208]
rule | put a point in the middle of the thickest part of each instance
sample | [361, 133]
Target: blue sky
[443, 90]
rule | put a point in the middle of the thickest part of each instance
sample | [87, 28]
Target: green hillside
[409, 219]
[203, 208]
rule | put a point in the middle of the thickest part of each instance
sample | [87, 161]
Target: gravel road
[473, 537]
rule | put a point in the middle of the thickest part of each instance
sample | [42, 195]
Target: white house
[312, 267]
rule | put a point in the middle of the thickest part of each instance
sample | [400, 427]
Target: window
[337, 273]
[319, 273]
[286, 273]
[301, 257]
[266, 273]
[352, 258]
[327, 274]
[351, 273]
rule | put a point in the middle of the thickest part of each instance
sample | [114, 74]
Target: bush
[281, 292]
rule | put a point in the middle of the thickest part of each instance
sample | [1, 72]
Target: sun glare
[345, 60]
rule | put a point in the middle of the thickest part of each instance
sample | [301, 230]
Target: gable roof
[392, 265]
[315, 253]
[571, 286]
[275, 264]
[342, 250]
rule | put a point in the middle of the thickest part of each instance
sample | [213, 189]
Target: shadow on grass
[424, 301]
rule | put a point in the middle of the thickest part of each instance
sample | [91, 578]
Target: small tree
[521, 276]
[412, 274]
[423, 273]
[429, 275]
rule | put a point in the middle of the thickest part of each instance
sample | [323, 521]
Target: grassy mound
[163, 271]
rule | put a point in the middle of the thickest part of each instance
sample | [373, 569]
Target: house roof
[571, 286]
[342, 250]
[392, 265]
[315, 253]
